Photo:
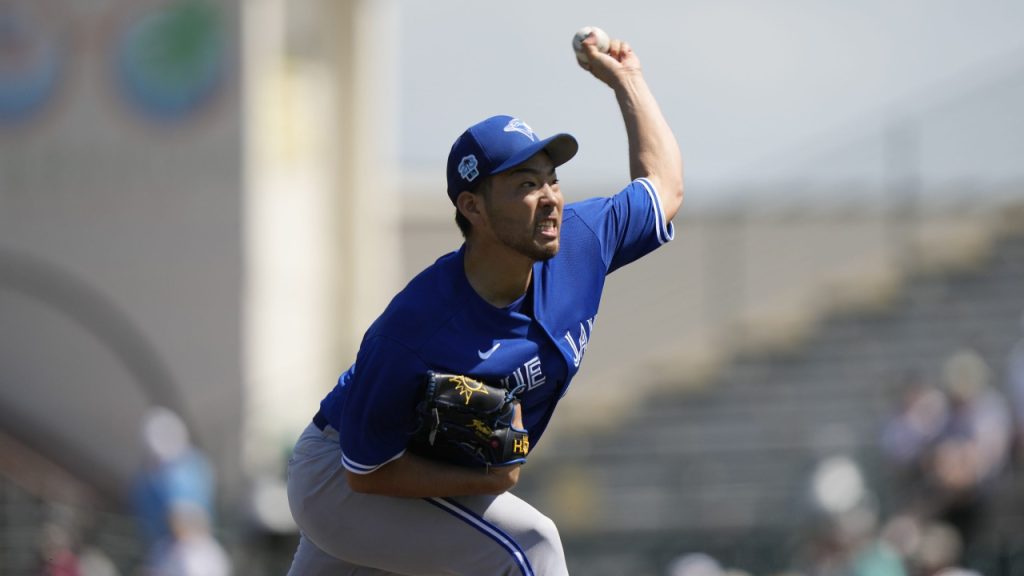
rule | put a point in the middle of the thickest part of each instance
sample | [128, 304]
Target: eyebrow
[527, 170]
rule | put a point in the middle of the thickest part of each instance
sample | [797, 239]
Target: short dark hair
[465, 226]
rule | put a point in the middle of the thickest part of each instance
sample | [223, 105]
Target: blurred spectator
[1015, 387]
[695, 564]
[174, 472]
[978, 412]
[57, 551]
[851, 546]
[902, 533]
[939, 549]
[94, 562]
[844, 538]
[908, 436]
[193, 551]
[921, 417]
[973, 448]
[174, 500]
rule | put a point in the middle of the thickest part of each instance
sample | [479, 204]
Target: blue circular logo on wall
[32, 54]
[172, 59]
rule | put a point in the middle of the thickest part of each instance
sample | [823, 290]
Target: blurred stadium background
[203, 204]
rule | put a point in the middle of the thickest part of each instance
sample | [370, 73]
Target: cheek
[506, 217]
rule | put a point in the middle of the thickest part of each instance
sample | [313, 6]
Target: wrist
[627, 79]
[629, 90]
[502, 478]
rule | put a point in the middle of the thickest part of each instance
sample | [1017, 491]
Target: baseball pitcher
[407, 465]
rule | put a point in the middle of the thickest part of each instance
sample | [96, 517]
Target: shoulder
[638, 193]
[636, 206]
[596, 213]
[424, 306]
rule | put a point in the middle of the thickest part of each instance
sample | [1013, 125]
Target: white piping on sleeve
[357, 468]
[665, 230]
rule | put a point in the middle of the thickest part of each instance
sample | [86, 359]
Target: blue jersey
[438, 322]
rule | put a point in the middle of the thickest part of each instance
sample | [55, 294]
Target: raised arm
[653, 150]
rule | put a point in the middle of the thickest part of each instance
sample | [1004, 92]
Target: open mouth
[548, 228]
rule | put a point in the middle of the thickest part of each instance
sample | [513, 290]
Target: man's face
[524, 208]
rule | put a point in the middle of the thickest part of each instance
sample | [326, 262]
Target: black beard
[528, 249]
[522, 245]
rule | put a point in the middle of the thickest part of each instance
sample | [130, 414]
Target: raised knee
[545, 549]
[547, 531]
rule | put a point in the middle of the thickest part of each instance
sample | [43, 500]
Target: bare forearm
[653, 150]
[412, 476]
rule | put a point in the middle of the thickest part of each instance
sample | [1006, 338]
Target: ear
[471, 206]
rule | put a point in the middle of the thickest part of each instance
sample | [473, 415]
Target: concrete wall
[120, 249]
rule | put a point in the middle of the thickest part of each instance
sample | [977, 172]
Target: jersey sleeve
[378, 415]
[629, 224]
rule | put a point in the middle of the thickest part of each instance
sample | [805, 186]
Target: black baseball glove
[468, 422]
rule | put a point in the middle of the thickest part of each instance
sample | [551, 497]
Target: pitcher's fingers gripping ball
[600, 37]
[609, 65]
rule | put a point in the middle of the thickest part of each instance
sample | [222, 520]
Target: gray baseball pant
[345, 533]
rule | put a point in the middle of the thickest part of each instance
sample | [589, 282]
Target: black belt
[320, 421]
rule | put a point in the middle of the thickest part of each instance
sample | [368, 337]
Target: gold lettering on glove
[521, 445]
[466, 387]
[482, 430]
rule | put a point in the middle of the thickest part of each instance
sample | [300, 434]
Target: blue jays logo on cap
[517, 125]
[493, 146]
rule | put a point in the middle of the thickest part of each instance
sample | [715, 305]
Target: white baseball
[581, 35]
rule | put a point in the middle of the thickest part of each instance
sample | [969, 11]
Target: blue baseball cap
[497, 144]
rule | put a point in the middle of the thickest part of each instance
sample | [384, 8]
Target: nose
[549, 194]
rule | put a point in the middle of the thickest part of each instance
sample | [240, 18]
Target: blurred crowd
[173, 501]
[954, 433]
[948, 444]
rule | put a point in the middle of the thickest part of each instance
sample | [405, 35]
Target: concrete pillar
[321, 211]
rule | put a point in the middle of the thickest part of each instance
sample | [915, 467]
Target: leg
[500, 535]
[532, 533]
[311, 560]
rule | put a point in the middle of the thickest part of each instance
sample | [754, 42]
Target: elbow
[676, 185]
[676, 193]
[510, 482]
[671, 196]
